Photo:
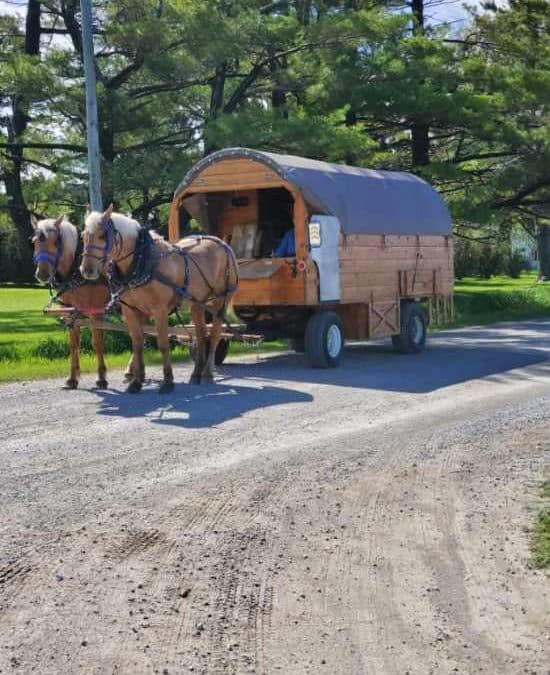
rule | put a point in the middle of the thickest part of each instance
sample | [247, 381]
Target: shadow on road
[450, 358]
[193, 406]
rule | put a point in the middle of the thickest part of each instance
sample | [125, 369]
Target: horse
[55, 242]
[152, 277]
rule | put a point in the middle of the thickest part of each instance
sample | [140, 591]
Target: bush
[474, 259]
[9, 353]
[467, 255]
[51, 348]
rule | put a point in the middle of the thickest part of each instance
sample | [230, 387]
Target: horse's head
[99, 241]
[105, 235]
[48, 246]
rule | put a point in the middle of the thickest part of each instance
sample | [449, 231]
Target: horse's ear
[107, 213]
[88, 209]
[58, 221]
[34, 220]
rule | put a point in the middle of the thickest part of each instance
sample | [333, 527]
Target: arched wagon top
[364, 200]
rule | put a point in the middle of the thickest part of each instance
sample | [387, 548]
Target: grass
[33, 345]
[540, 540]
[483, 301]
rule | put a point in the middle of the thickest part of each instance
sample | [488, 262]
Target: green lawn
[33, 345]
[482, 301]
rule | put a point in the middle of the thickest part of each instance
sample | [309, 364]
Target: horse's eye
[42, 237]
[31, 242]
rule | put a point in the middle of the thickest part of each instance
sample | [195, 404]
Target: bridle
[110, 235]
[45, 256]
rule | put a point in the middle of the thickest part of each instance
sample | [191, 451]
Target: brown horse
[154, 277]
[55, 254]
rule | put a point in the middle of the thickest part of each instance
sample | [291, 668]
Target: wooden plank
[243, 182]
[230, 167]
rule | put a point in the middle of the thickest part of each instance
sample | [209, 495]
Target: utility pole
[94, 170]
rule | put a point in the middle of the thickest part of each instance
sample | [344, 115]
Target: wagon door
[324, 234]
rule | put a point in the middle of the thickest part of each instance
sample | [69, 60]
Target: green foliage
[479, 301]
[340, 81]
[485, 260]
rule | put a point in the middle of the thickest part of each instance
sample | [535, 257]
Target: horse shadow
[195, 407]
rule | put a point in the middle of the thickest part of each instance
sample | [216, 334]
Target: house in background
[522, 242]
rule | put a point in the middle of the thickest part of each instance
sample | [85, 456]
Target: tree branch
[45, 146]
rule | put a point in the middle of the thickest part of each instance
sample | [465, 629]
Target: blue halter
[109, 229]
[46, 256]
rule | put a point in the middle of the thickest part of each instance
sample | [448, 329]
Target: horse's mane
[69, 237]
[124, 225]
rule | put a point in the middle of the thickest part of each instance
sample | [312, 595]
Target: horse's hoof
[71, 384]
[134, 387]
[166, 387]
[195, 379]
[101, 384]
[207, 379]
[128, 377]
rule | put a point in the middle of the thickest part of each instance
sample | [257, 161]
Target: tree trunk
[17, 124]
[420, 133]
[543, 245]
[217, 89]
[417, 7]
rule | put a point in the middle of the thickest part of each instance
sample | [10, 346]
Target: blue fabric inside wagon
[364, 200]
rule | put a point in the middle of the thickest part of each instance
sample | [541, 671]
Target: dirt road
[366, 520]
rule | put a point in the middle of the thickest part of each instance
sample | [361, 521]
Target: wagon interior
[253, 222]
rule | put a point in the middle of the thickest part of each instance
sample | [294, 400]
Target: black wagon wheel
[221, 350]
[324, 340]
[298, 344]
[412, 336]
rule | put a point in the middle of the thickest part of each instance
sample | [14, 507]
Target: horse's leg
[97, 341]
[163, 342]
[128, 373]
[207, 374]
[135, 321]
[197, 317]
[74, 347]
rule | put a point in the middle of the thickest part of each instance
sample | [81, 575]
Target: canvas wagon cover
[364, 200]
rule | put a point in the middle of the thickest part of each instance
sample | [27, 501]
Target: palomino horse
[154, 277]
[55, 254]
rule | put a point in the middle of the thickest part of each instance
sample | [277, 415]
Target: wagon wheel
[324, 340]
[221, 350]
[412, 336]
[298, 344]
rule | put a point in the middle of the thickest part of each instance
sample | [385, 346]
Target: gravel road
[366, 520]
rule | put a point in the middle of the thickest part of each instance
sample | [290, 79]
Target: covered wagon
[327, 253]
